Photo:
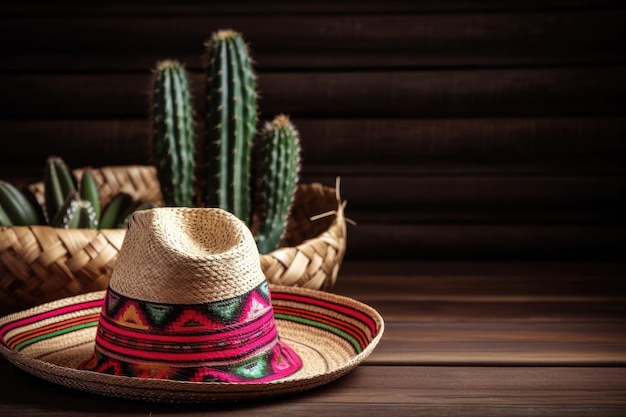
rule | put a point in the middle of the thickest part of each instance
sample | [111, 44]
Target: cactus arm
[237, 204]
[170, 134]
[169, 157]
[282, 179]
[291, 169]
[86, 218]
[231, 122]
[66, 177]
[114, 210]
[89, 191]
[5, 220]
[52, 189]
[268, 177]
[275, 194]
[186, 136]
[277, 165]
[58, 182]
[75, 213]
[216, 151]
[37, 208]
[16, 206]
[176, 128]
[159, 145]
[173, 133]
[247, 85]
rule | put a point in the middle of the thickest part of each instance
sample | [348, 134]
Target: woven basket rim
[337, 213]
[310, 257]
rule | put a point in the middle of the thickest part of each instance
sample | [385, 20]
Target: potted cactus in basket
[252, 174]
[231, 119]
[254, 177]
[276, 169]
[65, 202]
[173, 135]
[61, 236]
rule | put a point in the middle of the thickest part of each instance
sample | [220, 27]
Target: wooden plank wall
[460, 129]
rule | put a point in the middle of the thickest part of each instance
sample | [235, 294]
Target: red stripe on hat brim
[351, 329]
[72, 308]
[53, 327]
[340, 308]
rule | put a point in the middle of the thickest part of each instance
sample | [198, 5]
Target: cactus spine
[173, 133]
[231, 124]
[277, 166]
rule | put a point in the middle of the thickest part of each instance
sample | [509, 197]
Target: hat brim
[332, 334]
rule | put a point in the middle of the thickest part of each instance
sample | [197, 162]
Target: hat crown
[186, 256]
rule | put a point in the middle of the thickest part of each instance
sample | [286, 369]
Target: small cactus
[58, 182]
[173, 133]
[75, 213]
[114, 212]
[89, 191]
[277, 166]
[231, 124]
[16, 208]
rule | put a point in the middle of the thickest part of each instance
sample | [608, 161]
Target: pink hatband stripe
[123, 353]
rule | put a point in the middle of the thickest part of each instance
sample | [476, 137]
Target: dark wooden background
[460, 129]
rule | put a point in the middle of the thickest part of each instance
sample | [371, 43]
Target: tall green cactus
[173, 133]
[230, 145]
[231, 124]
[277, 166]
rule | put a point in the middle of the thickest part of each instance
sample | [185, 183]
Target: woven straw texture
[140, 181]
[312, 250]
[40, 263]
[170, 257]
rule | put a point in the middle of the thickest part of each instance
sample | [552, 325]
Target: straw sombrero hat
[188, 317]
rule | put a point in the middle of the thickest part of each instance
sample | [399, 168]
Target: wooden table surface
[471, 339]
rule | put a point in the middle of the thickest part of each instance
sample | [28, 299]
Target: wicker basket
[312, 251]
[41, 263]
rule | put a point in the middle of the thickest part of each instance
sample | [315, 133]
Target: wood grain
[459, 129]
[495, 343]
[483, 242]
[462, 338]
[489, 202]
[372, 391]
[242, 7]
[452, 93]
[483, 281]
[491, 146]
[477, 141]
[337, 41]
